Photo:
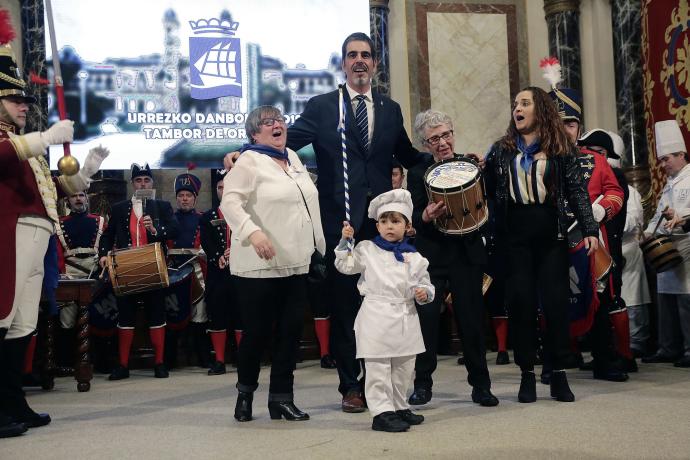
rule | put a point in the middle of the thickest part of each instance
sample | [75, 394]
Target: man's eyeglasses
[434, 140]
[271, 121]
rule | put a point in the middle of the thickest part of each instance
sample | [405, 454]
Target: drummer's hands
[230, 159]
[262, 245]
[591, 244]
[148, 224]
[433, 211]
[420, 295]
[348, 231]
[103, 261]
[673, 219]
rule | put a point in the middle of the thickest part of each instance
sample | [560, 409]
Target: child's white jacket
[387, 324]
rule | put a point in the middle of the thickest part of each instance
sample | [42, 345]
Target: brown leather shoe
[353, 402]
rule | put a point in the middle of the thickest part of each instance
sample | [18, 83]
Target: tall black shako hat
[11, 82]
[138, 170]
[189, 182]
[568, 101]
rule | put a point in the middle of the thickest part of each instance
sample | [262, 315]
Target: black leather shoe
[119, 373]
[528, 388]
[389, 422]
[160, 372]
[10, 428]
[502, 358]
[327, 362]
[682, 362]
[560, 390]
[461, 360]
[243, 406]
[31, 419]
[411, 418]
[658, 358]
[610, 374]
[628, 365]
[287, 410]
[419, 397]
[483, 397]
[217, 368]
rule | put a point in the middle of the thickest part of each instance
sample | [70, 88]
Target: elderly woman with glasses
[456, 262]
[271, 206]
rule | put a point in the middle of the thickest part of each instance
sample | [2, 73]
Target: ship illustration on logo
[215, 59]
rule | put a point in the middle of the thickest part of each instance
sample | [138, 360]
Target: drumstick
[599, 198]
[191, 258]
[660, 220]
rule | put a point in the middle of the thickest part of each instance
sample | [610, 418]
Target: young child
[393, 276]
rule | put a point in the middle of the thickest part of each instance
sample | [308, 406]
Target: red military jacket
[19, 195]
[601, 181]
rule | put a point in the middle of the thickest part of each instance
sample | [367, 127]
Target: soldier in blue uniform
[137, 222]
[181, 308]
[215, 239]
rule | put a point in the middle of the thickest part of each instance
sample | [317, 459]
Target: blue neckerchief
[267, 150]
[528, 152]
[397, 248]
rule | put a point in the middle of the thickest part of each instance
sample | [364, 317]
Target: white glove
[599, 212]
[93, 161]
[59, 133]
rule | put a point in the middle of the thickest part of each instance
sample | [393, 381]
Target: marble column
[34, 57]
[627, 32]
[563, 21]
[378, 21]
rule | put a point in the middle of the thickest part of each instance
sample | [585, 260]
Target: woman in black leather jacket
[532, 175]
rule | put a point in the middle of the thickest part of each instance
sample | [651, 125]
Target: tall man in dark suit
[374, 134]
[135, 223]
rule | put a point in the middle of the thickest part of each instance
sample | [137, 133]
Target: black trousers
[270, 306]
[465, 283]
[537, 275]
[221, 303]
[345, 303]
[154, 306]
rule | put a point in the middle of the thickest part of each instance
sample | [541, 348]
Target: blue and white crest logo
[215, 65]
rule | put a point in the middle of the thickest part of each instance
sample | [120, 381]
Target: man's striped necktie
[362, 121]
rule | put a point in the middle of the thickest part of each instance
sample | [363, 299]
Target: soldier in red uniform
[28, 217]
[606, 196]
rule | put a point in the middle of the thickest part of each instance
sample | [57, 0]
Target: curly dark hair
[549, 126]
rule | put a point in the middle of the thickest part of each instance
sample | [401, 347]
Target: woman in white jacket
[271, 206]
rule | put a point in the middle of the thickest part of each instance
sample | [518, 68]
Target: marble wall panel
[469, 74]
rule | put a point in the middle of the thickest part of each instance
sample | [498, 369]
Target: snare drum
[660, 253]
[603, 263]
[458, 183]
[138, 270]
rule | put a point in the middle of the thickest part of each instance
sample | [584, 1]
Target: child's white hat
[398, 200]
[668, 138]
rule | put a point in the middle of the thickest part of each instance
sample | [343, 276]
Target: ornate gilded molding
[639, 177]
[560, 6]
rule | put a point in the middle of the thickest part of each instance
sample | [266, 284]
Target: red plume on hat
[6, 31]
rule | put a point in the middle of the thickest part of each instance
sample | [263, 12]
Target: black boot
[560, 390]
[12, 396]
[528, 387]
[8, 427]
[286, 409]
[243, 406]
[217, 368]
[420, 396]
